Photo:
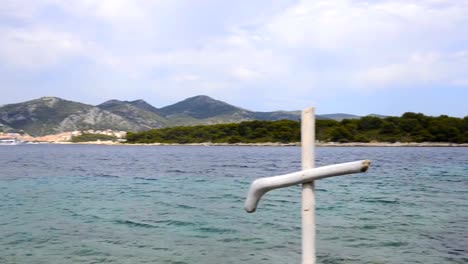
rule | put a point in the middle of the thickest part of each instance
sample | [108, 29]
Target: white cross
[306, 177]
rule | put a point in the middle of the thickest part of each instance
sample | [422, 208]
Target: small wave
[142, 183]
[393, 244]
[233, 166]
[452, 180]
[229, 240]
[282, 201]
[381, 200]
[104, 175]
[369, 227]
[457, 252]
[320, 190]
[80, 169]
[336, 260]
[161, 248]
[230, 195]
[134, 224]
[216, 230]
[176, 171]
[90, 252]
[183, 206]
[145, 179]
[178, 223]
[277, 247]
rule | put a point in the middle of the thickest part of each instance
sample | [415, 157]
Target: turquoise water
[141, 204]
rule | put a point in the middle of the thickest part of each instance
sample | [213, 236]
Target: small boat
[10, 141]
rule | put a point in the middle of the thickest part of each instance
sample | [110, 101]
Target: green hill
[410, 127]
[142, 118]
[50, 115]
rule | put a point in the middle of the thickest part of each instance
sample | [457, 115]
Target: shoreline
[268, 144]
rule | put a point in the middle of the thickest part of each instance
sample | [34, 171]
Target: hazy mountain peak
[110, 103]
[135, 111]
[200, 106]
[200, 98]
[203, 100]
[50, 101]
[142, 104]
[50, 98]
[138, 101]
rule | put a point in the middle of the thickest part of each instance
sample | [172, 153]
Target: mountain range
[51, 115]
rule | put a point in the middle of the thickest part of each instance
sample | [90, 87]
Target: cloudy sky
[358, 57]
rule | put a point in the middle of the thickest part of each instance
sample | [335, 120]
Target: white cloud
[418, 68]
[243, 73]
[38, 48]
[350, 25]
[304, 49]
[185, 78]
[22, 9]
[112, 11]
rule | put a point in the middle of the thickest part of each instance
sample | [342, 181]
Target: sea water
[184, 204]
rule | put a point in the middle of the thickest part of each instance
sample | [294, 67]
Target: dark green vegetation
[410, 127]
[249, 132]
[51, 115]
[87, 137]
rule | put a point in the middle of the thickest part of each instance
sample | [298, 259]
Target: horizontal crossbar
[260, 186]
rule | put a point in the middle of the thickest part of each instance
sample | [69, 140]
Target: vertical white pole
[308, 191]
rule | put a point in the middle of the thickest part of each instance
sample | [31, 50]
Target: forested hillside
[410, 127]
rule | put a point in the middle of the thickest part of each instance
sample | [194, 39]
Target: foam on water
[139, 204]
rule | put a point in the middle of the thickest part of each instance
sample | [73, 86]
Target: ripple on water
[131, 204]
[131, 223]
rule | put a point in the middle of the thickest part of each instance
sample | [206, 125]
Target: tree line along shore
[410, 127]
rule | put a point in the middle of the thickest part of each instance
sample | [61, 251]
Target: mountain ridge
[200, 107]
[48, 115]
[143, 118]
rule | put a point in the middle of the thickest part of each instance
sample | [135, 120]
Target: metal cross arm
[260, 186]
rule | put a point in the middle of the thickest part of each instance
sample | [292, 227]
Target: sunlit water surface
[184, 204]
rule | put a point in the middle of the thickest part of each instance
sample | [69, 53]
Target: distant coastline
[410, 130]
[273, 144]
